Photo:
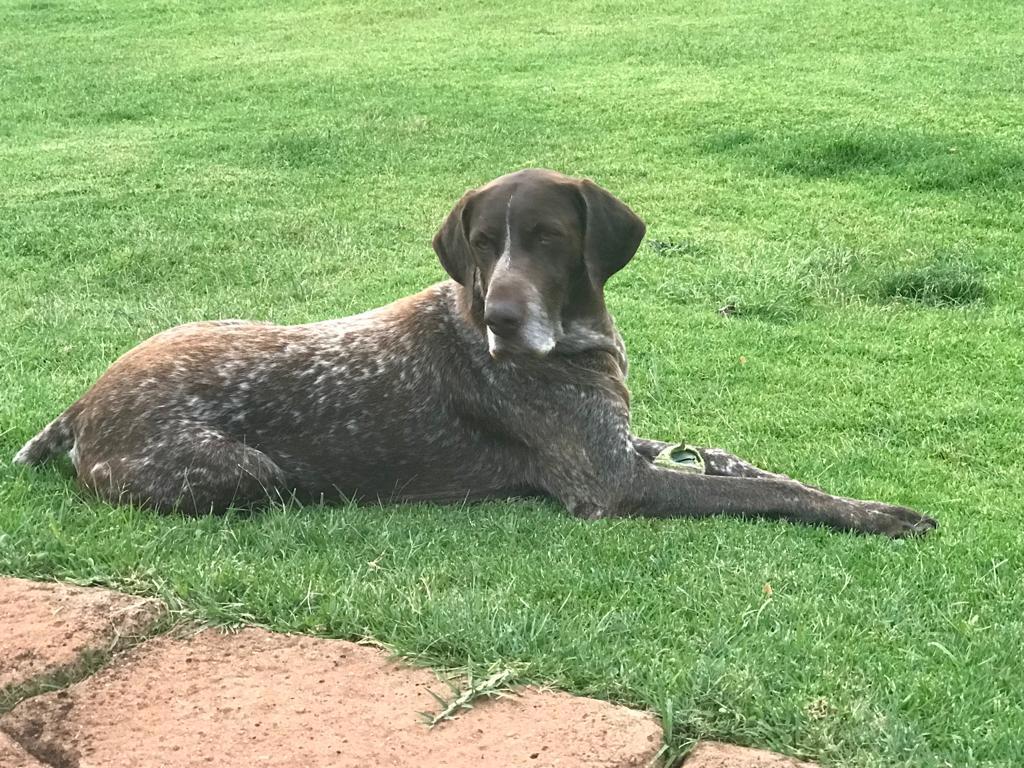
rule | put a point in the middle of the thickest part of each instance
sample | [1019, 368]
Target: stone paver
[713, 754]
[45, 626]
[13, 756]
[264, 699]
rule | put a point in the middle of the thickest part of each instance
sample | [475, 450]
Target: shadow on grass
[307, 149]
[782, 283]
[940, 284]
[922, 162]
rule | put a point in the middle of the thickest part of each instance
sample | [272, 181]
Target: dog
[506, 380]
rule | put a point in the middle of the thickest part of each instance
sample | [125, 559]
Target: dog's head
[537, 247]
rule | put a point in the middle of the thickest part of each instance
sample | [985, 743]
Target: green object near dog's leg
[680, 457]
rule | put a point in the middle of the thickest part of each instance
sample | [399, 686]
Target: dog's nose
[503, 317]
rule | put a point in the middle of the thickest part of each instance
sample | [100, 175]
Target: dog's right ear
[613, 233]
[451, 244]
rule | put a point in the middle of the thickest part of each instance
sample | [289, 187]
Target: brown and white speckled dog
[507, 380]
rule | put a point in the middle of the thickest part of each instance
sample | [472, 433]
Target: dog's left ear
[613, 232]
[452, 246]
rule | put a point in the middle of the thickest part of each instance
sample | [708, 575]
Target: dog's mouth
[503, 348]
[520, 324]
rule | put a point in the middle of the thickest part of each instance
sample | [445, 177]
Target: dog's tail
[56, 438]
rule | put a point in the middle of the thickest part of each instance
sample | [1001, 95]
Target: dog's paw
[587, 510]
[894, 521]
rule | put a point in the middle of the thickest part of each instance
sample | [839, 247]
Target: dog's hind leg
[190, 468]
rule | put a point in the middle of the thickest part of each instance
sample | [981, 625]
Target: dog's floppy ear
[613, 232]
[452, 246]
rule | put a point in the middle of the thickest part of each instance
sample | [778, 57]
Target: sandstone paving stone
[714, 754]
[256, 698]
[45, 627]
[13, 756]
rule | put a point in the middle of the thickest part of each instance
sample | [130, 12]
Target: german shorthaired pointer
[507, 380]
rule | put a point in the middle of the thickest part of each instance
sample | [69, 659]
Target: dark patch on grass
[37, 5]
[782, 310]
[840, 155]
[29, 248]
[305, 149]
[949, 284]
[828, 154]
[728, 140]
[922, 162]
[123, 115]
[672, 247]
[992, 169]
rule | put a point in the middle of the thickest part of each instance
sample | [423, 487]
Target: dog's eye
[547, 236]
[481, 243]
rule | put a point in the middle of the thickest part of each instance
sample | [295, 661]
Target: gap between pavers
[47, 630]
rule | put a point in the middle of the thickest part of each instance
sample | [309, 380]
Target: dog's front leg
[658, 492]
[611, 479]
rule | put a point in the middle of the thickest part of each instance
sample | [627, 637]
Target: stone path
[183, 697]
[47, 628]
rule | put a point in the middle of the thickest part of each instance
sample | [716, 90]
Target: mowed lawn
[848, 175]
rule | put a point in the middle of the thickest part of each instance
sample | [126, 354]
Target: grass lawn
[850, 175]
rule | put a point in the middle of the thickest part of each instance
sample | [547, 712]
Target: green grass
[848, 174]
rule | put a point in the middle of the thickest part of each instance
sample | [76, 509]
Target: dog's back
[362, 407]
